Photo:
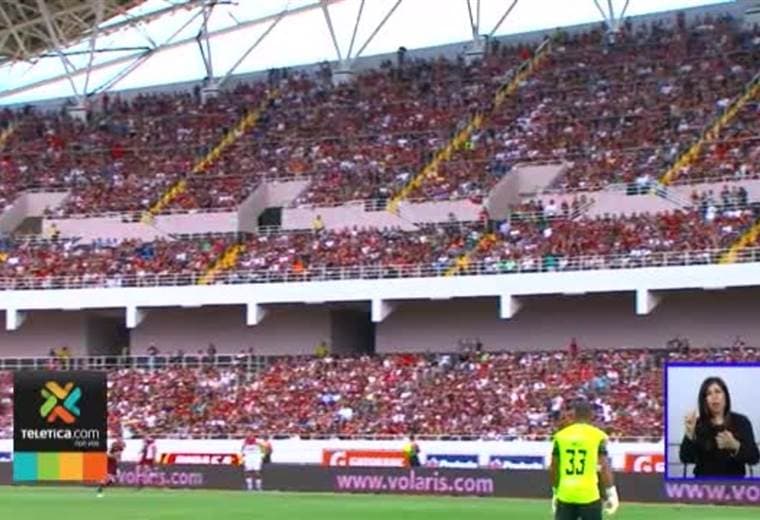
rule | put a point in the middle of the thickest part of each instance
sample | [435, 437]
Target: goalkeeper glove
[612, 501]
[554, 501]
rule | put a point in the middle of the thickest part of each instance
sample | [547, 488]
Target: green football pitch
[129, 504]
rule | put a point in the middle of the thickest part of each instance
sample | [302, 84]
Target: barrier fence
[249, 362]
[545, 264]
[633, 487]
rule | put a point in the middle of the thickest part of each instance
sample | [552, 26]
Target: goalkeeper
[579, 449]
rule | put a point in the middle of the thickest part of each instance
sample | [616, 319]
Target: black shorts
[592, 511]
[266, 459]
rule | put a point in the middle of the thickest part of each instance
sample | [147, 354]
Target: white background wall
[297, 451]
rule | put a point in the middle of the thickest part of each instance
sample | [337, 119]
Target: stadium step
[712, 132]
[747, 239]
[227, 260]
[463, 136]
[462, 263]
[241, 128]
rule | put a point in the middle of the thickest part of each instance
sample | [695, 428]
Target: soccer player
[266, 450]
[114, 456]
[252, 462]
[579, 448]
[147, 458]
[256, 453]
[412, 453]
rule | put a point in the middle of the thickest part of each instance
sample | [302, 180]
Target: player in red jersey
[114, 456]
[147, 458]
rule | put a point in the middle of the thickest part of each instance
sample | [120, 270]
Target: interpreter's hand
[727, 441]
[690, 424]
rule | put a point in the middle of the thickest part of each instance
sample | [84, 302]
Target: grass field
[121, 504]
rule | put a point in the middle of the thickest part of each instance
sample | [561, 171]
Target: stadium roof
[75, 48]
[26, 31]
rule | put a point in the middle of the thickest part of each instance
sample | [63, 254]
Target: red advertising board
[651, 463]
[364, 458]
[230, 459]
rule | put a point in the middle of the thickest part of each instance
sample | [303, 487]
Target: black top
[709, 460]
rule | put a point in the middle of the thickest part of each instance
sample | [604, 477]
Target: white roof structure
[76, 48]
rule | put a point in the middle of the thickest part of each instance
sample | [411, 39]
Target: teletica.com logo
[61, 403]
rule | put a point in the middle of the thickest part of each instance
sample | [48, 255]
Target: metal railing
[545, 264]
[246, 361]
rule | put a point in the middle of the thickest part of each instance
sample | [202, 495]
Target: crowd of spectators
[355, 140]
[305, 253]
[366, 139]
[505, 395]
[128, 152]
[613, 240]
[734, 155]
[41, 264]
[536, 236]
[623, 114]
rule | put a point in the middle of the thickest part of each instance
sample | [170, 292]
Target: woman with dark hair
[719, 442]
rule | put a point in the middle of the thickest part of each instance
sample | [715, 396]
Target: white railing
[376, 272]
[248, 361]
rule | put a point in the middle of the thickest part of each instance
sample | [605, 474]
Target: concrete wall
[115, 227]
[707, 318]
[102, 227]
[217, 222]
[622, 204]
[432, 212]
[608, 320]
[347, 215]
[284, 330]
[523, 179]
[29, 205]
[535, 178]
[249, 210]
[282, 193]
[616, 202]
[44, 330]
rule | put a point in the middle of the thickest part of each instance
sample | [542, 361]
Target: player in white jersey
[253, 456]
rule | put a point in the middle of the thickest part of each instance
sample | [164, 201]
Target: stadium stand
[621, 121]
[495, 395]
[617, 121]
[60, 263]
[625, 114]
[527, 242]
[614, 241]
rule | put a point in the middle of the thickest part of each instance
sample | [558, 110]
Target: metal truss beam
[128, 59]
[356, 28]
[377, 29]
[203, 35]
[503, 17]
[330, 27]
[53, 32]
[77, 23]
[99, 11]
[251, 48]
[613, 21]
